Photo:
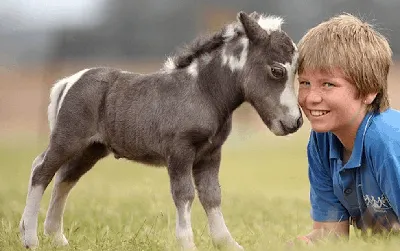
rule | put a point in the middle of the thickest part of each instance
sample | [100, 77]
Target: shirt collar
[356, 155]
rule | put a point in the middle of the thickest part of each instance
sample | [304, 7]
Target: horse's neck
[222, 85]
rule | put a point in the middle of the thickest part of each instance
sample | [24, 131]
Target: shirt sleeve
[386, 163]
[325, 206]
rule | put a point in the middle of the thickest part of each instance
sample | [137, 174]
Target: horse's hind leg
[28, 222]
[43, 169]
[205, 174]
[66, 178]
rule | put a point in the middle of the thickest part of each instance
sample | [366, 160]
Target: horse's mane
[207, 43]
[202, 45]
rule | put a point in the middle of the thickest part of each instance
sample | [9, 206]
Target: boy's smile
[330, 102]
[318, 113]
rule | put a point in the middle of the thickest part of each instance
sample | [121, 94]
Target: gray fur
[168, 118]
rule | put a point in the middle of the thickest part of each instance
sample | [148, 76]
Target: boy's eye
[327, 84]
[306, 83]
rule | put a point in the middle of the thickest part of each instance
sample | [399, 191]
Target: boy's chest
[359, 192]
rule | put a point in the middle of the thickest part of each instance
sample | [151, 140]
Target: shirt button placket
[348, 191]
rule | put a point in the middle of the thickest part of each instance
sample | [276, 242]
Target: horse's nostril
[299, 121]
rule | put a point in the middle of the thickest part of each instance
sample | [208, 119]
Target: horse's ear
[252, 29]
[254, 15]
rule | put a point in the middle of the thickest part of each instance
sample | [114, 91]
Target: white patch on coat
[206, 58]
[192, 69]
[55, 94]
[53, 224]
[232, 61]
[218, 229]
[169, 65]
[29, 223]
[270, 23]
[229, 33]
[184, 232]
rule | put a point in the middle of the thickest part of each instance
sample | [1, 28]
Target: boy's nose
[314, 97]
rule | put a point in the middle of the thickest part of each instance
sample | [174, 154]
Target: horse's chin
[272, 126]
[277, 128]
[278, 131]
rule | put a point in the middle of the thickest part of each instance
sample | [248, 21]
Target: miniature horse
[178, 117]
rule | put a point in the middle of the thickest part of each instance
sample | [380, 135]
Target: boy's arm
[323, 230]
[330, 218]
[385, 155]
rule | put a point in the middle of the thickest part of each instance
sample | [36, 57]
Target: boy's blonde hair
[360, 52]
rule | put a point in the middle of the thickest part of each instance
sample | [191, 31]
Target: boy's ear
[370, 98]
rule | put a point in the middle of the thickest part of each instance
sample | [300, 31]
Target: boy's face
[329, 101]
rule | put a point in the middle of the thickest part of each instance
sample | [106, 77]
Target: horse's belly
[148, 159]
[138, 155]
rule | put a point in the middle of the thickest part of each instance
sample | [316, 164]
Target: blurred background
[42, 41]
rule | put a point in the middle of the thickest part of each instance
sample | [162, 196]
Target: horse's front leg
[205, 174]
[182, 189]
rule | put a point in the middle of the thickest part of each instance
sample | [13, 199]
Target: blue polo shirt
[367, 187]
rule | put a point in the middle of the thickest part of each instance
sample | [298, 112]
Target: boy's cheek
[301, 99]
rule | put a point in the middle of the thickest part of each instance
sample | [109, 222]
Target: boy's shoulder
[320, 142]
[384, 128]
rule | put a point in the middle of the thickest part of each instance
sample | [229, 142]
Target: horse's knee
[209, 190]
[210, 197]
[57, 155]
[44, 172]
[82, 163]
[38, 160]
[180, 174]
[182, 189]
[42, 175]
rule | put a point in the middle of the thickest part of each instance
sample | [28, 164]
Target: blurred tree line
[133, 30]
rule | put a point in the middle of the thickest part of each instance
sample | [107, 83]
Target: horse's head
[269, 71]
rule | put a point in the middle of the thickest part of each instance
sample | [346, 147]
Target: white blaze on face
[288, 96]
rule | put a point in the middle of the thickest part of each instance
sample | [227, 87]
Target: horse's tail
[57, 95]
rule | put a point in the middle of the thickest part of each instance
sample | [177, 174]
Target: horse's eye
[278, 72]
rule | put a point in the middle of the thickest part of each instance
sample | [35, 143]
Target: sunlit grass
[120, 205]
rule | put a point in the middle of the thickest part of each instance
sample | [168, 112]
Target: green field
[121, 205]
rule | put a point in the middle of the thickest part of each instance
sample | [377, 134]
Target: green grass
[120, 205]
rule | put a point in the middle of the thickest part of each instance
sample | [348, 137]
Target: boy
[354, 146]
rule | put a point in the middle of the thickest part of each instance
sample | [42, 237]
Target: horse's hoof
[191, 248]
[237, 247]
[234, 246]
[188, 246]
[228, 244]
[60, 240]
[28, 240]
